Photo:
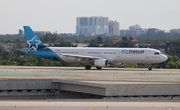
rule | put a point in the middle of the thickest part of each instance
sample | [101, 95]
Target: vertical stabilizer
[32, 39]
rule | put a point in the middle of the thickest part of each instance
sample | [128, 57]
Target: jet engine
[101, 62]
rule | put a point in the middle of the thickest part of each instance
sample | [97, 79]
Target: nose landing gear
[150, 67]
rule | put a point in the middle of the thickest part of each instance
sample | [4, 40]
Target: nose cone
[164, 58]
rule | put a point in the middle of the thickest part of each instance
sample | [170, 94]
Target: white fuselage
[113, 55]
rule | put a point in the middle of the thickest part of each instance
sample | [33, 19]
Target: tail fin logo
[33, 43]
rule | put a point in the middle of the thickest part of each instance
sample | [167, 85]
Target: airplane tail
[32, 39]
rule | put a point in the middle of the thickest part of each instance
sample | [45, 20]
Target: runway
[106, 75]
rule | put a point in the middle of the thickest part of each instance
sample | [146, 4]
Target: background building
[134, 30]
[92, 26]
[114, 28]
[175, 31]
[124, 32]
[153, 30]
[40, 33]
[21, 32]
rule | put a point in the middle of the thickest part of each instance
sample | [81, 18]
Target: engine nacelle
[101, 62]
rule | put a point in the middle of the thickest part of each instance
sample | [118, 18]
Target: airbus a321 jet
[98, 56]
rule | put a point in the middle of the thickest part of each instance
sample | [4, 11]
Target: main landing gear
[98, 68]
[88, 67]
[149, 68]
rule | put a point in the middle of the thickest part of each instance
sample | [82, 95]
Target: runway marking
[91, 108]
[169, 108]
[14, 108]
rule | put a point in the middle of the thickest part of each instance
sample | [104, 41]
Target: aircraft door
[147, 54]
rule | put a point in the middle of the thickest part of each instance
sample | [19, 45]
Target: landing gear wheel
[87, 67]
[149, 68]
[98, 68]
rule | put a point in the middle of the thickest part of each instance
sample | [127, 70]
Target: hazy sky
[60, 15]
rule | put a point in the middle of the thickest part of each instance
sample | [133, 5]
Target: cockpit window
[157, 53]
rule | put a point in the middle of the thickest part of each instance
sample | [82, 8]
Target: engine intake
[101, 62]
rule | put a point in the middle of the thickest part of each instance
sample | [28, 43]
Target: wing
[82, 57]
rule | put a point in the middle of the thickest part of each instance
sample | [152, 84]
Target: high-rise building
[136, 30]
[92, 25]
[124, 32]
[21, 32]
[114, 28]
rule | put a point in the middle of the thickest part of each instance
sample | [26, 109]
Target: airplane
[98, 56]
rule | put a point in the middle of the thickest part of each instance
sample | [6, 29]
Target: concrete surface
[56, 105]
[105, 82]
[106, 75]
